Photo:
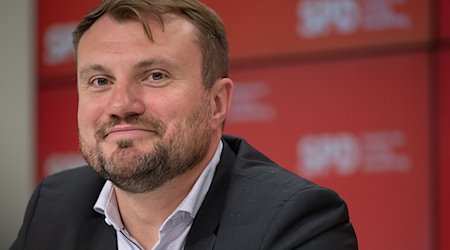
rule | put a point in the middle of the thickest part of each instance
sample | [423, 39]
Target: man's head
[152, 91]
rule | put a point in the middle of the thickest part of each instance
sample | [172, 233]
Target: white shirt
[173, 232]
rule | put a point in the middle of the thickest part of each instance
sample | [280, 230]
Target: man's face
[144, 116]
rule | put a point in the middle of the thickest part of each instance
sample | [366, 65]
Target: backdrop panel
[444, 20]
[360, 126]
[293, 27]
[56, 22]
[288, 28]
[444, 147]
[57, 130]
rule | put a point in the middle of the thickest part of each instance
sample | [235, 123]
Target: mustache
[151, 123]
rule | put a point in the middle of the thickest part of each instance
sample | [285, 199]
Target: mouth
[127, 132]
[131, 127]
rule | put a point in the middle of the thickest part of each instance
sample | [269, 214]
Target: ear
[220, 101]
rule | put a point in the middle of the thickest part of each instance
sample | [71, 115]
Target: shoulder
[80, 179]
[58, 207]
[276, 204]
[253, 169]
[70, 189]
[72, 177]
[254, 175]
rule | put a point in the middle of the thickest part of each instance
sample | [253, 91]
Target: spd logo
[346, 153]
[321, 18]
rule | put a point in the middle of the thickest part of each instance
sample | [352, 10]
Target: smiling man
[153, 97]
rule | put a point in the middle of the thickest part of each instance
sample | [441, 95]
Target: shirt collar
[191, 204]
[106, 203]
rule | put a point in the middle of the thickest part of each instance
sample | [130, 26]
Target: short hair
[211, 37]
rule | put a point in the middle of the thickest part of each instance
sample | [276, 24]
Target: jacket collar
[96, 234]
[203, 232]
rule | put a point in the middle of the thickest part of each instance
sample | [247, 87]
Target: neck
[152, 208]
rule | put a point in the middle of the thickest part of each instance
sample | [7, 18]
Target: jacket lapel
[96, 234]
[203, 232]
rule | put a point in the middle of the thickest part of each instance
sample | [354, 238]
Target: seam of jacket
[308, 185]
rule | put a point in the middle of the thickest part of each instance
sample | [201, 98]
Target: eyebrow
[91, 69]
[155, 62]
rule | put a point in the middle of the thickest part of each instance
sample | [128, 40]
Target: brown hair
[211, 36]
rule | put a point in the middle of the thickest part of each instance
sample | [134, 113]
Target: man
[153, 96]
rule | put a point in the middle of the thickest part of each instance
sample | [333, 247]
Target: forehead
[169, 23]
[109, 40]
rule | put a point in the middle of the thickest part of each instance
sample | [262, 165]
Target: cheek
[89, 112]
[189, 115]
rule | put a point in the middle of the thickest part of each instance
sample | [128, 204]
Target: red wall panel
[288, 28]
[308, 26]
[56, 21]
[57, 130]
[360, 126]
[444, 20]
[444, 147]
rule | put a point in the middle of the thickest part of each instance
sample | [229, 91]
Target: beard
[137, 171]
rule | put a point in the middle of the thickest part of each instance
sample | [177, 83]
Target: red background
[444, 20]
[389, 97]
[444, 147]
[269, 30]
[53, 13]
[443, 123]
[394, 83]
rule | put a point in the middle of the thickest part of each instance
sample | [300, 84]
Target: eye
[156, 79]
[157, 76]
[100, 82]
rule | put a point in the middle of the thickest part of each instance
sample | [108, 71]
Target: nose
[125, 100]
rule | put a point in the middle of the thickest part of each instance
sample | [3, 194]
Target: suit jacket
[252, 204]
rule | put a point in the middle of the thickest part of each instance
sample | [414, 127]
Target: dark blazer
[252, 204]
